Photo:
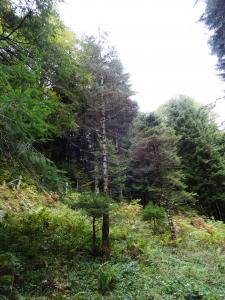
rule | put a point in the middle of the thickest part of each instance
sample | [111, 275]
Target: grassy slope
[45, 254]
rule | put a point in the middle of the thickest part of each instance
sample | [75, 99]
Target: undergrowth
[46, 253]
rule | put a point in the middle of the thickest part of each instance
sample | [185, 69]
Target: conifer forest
[99, 200]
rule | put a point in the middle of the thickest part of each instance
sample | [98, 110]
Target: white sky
[160, 44]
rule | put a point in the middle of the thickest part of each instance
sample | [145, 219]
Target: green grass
[46, 254]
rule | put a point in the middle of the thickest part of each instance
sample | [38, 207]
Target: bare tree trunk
[96, 177]
[105, 221]
[171, 224]
[169, 216]
[120, 190]
[66, 191]
[94, 248]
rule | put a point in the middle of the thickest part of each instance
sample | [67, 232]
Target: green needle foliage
[213, 17]
[94, 205]
[155, 214]
[199, 151]
[69, 130]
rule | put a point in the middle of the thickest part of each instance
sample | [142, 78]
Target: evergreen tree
[199, 150]
[154, 170]
[40, 87]
[95, 205]
[213, 18]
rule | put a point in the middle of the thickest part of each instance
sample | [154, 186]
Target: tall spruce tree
[104, 118]
[154, 170]
[199, 150]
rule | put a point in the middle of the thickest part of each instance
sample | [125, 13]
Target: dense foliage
[199, 149]
[75, 153]
[213, 17]
[46, 253]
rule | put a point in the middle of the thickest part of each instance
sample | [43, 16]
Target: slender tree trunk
[105, 221]
[154, 226]
[94, 247]
[96, 177]
[66, 192]
[169, 216]
[105, 237]
[120, 190]
[171, 224]
[219, 212]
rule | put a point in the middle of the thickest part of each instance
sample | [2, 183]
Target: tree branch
[17, 27]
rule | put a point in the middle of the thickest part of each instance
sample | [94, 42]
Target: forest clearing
[99, 200]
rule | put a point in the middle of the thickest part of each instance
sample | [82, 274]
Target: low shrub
[107, 278]
[156, 215]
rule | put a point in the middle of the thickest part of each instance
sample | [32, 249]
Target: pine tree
[95, 205]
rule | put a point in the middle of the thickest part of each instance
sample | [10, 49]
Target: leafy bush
[128, 211]
[201, 231]
[27, 197]
[135, 248]
[57, 230]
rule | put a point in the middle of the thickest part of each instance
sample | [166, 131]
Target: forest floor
[46, 253]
